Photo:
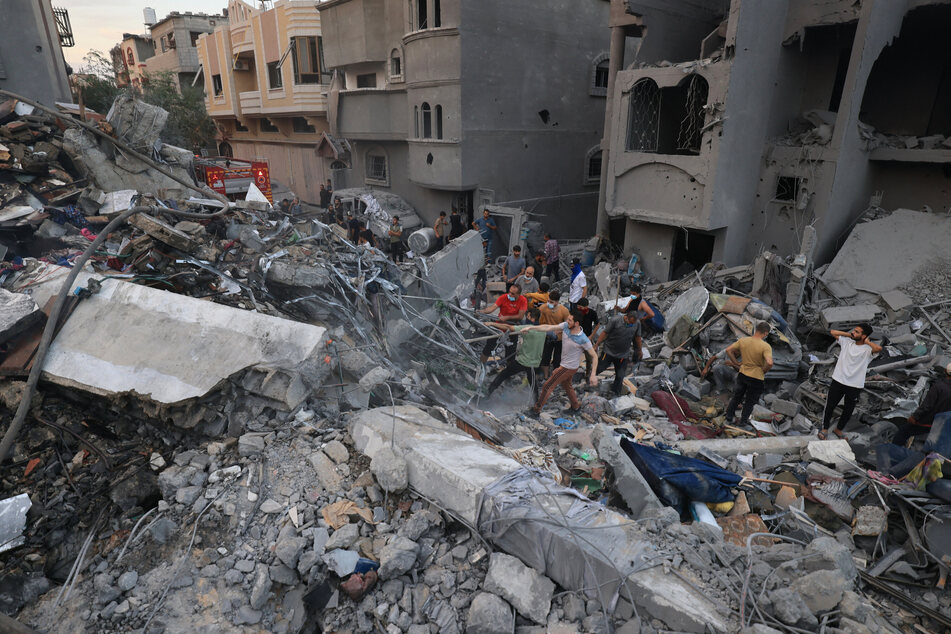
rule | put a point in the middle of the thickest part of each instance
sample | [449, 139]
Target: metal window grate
[644, 116]
[376, 167]
[64, 28]
[691, 128]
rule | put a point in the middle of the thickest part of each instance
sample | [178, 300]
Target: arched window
[437, 14]
[691, 126]
[427, 121]
[438, 122]
[643, 115]
[224, 149]
[396, 64]
[415, 122]
[131, 57]
[592, 166]
[599, 75]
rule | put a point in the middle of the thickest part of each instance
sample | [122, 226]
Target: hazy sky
[99, 24]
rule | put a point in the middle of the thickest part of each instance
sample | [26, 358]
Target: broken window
[644, 111]
[376, 167]
[787, 188]
[592, 168]
[267, 126]
[427, 121]
[599, 76]
[274, 77]
[194, 35]
[131, 58]
[438, 122]
[216, 85]
[691, 127]
[301, 125]
[366, 81]
[305, 60]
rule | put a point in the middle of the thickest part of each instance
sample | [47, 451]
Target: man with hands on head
[848, 378]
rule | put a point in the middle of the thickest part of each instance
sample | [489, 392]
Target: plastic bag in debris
[526, 513]
[678, 480]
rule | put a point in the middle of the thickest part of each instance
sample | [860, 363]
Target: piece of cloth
[550, 316]
[620, 370]
[852, 364]
[578, 283]
[572, 347]
[838, 391]
[679, 413]
[551, 251]
[527, 284]
[514, 266]
[747, 391]
[562, 376]
[753, 355]
[620, 336]
[938, 399]
[531, 346]
[926, 471]
[507, 307]
[511, 370]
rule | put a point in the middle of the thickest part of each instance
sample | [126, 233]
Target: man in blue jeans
[486, 226]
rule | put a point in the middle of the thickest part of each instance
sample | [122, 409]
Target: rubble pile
[247, 422]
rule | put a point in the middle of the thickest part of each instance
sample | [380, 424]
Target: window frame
[589, 161]
[375, 177]
[217, 87]
[598, 64]
[426, 113]
[437, 121]
[274, 67]
[311, 76]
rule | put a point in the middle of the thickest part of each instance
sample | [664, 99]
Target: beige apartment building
[265, 87]
[129, 57]
[175, 41]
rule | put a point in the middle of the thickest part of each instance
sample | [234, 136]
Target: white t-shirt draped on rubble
[853, 363]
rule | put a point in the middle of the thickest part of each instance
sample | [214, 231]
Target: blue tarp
[678, 480]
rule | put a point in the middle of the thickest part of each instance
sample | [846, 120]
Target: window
[216, 85]
[437, 14]
[301, 125]
[164, 43]
[644, 111]
[592, 166]
[376, 168]
[421, 21]
[787, 188]
[171, 40]
[415, 122]
[267, 126]
[325, 74]
[274, 77]
[599, 75]
[438, 122]
[239, 127]
[691, 126]
[131, 57]
[366, 81]
[305, 60]
[396, 64]
[427, 121]
[194, 35]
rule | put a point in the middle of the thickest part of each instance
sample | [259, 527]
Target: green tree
[189, 125]
[98, 81]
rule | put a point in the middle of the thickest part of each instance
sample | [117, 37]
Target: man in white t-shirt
[848, 378]
[574, 343]
[579, 284]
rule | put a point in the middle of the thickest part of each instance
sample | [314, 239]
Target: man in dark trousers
[757, 360]
[396, 239]
[621, 339]
[574, 344]
[353, 228]
[529, 353]
[512, 308]
[848, 377]
[324, 197]
[937, 401]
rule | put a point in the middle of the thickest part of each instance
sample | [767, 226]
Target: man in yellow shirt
[757, 360]
[536, 300]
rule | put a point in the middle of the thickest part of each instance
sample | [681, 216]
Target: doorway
[692, 249]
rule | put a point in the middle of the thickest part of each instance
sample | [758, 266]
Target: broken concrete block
[842, 317]
[528, 591]
[489, 614]
[825, 553]
[450, 269]
[870, 521]
[18, 313]
[784, 407]
[250, 444]
[164, 232]
[632, 486]
[397, 557]
[822, 590]
[390, 470]
[835, 452]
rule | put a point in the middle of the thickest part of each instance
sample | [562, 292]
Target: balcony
[373, 114]
[353, 32]
[250, 102]
[436, 163]
[241, 38]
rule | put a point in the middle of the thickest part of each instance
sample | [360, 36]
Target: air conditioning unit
[240, 65]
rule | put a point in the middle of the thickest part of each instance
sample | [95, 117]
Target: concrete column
[615, 63]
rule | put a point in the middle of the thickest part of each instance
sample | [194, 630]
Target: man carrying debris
[511, 309]
[574, 343]
[485, 226]
[396, 239]
[552, 313]
[757, 358]
[937, 401]
[579, 284]
[527, 281]
[513, 266]
[622, 342]
[848, 378]
[529, 353]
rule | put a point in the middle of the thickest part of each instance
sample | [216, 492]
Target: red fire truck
[231, 176]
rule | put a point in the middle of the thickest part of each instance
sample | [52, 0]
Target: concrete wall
[681, 27]
[294, 165]
[184, 57]
[30, 54]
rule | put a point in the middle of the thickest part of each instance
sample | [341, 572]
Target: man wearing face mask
[527, 281]
[848, 378]
[511, 309]
[550, 314]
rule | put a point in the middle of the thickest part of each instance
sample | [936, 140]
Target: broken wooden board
[164, 232]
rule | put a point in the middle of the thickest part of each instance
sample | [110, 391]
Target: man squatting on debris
[573, 343]
[848, 378]
[529, 353]
[937, 401]
[757, 358]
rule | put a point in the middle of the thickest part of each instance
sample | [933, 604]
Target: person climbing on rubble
[579, 284]
[513, 266]
[527, 281]
[486, 226]
[529, 354]
[295, 208]
[552, 313]
[512, 307]
[757, 360]
[937, 401]
[574, 342]
[848, 378]
[441, 227]
[551, 258]
[621, 341]
[396, 239]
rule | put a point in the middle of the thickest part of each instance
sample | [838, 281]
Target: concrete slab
[451, 269]
[732, 446]
[18, 313]
[837, 316]
[169, 348]
[632, 486]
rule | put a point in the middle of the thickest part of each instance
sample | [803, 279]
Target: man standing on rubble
[527, 281]
[552, 313]
[573, 343]
[441, 227]
[848, 378]
[937, 401]
[456, 228]
[529, 353]
[513, 266]
[512, 308]
[551, 258]
[579, 284]
[324, 197]
[757, 360]
[396, 239]
[621, 339]
[486, 226]
[353, 228]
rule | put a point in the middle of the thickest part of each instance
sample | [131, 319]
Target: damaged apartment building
[737, 124]
[452, 103]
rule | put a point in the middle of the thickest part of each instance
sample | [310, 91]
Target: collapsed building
[761, 119]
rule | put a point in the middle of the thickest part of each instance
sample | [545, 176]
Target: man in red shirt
[511, 307]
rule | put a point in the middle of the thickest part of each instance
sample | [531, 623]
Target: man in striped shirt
[551, 258]
[574, 344]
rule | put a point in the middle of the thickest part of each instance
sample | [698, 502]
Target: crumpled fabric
[926, 471]
[69, 214]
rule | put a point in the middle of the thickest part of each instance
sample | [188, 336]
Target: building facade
[31, 51]
[737, 124]
[265, 87]
[129, 57]
[175, 44]
[465, 103]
